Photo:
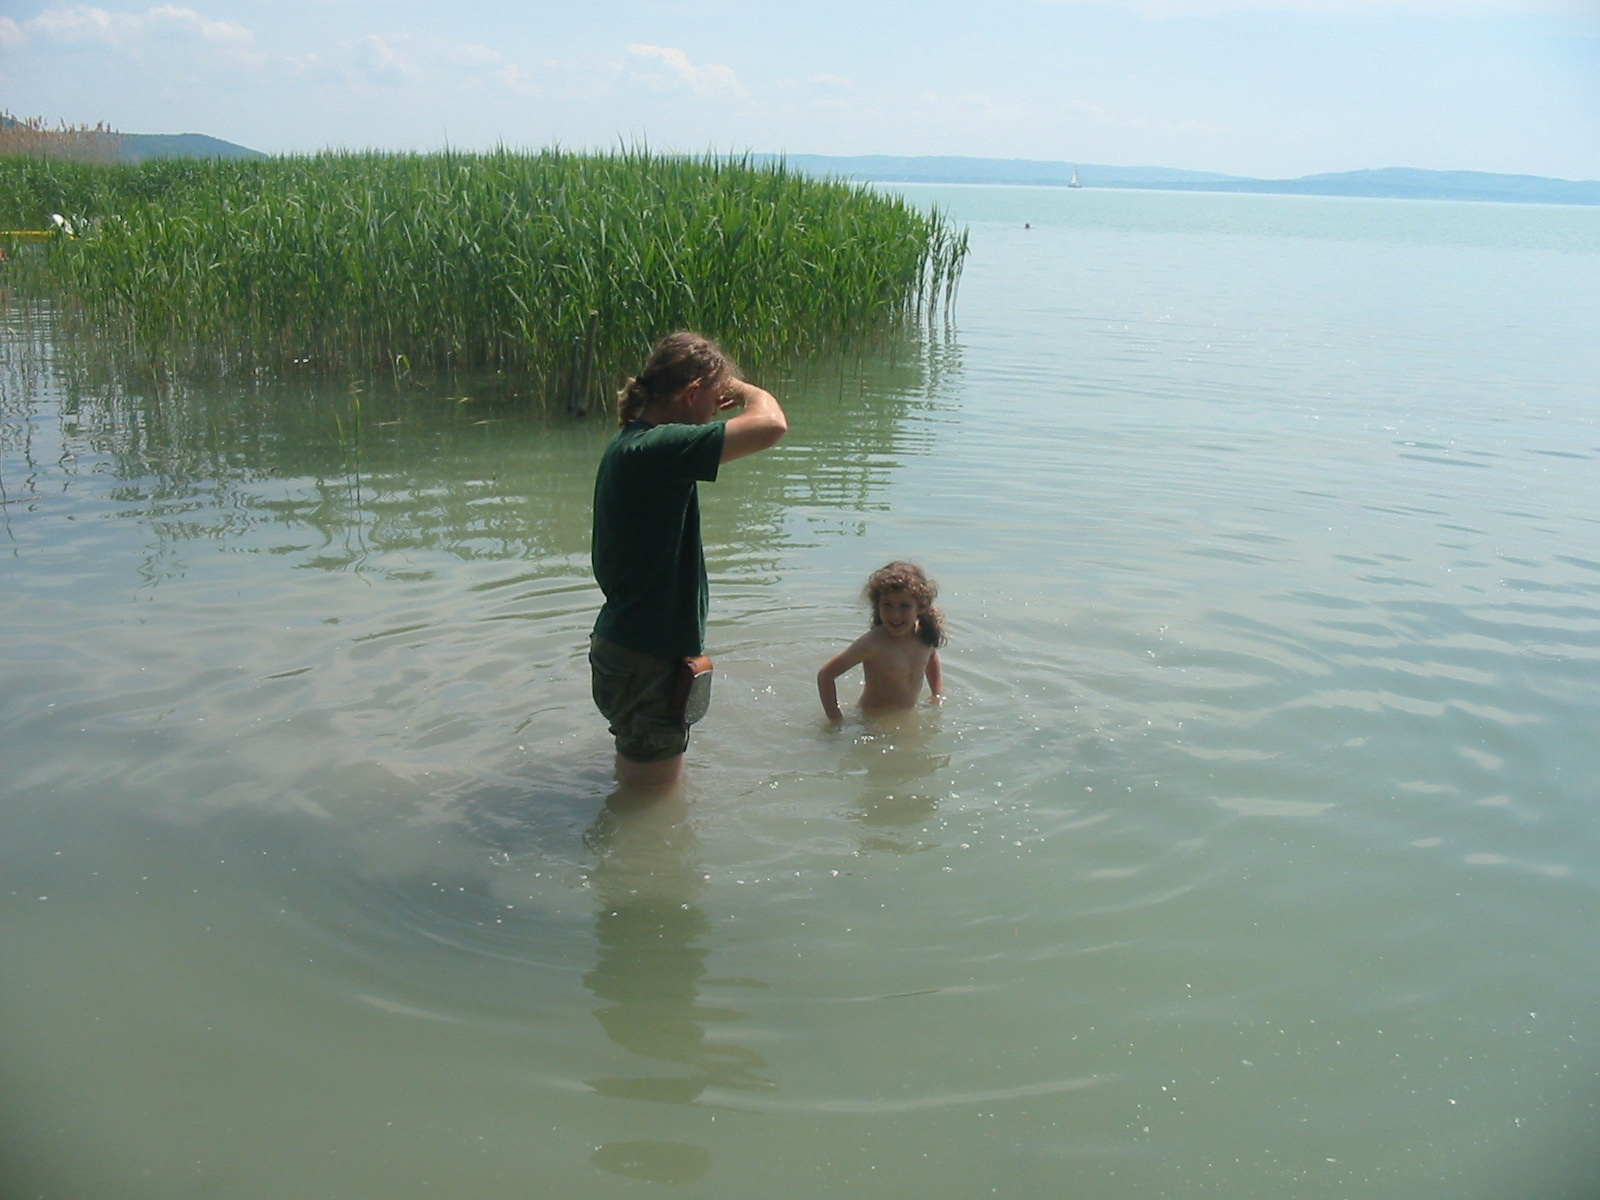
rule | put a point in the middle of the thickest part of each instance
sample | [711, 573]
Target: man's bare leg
[660, 774]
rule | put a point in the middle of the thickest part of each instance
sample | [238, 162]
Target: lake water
[1253, 854]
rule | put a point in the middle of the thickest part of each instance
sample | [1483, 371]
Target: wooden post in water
[582, 369]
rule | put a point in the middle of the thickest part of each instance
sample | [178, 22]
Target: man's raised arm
[759, 427]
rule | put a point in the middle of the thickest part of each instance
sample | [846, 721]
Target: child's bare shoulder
[871, 642]
[861, 650]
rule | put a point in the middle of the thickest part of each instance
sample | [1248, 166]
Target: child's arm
[836, 666]
[935, 678]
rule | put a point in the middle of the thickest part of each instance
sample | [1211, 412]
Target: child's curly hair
[908, 577]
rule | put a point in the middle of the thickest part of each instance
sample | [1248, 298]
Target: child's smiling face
[897, 613]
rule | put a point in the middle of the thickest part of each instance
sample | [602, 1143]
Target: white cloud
[83, 25]
[78, 26]
[481, 64]
[187, 21]
[403, 61]
[664, 67]
[378, 60]
[472, 57]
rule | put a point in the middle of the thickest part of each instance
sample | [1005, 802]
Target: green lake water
[1253, 854]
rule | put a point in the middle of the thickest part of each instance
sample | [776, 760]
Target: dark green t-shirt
[646, 547]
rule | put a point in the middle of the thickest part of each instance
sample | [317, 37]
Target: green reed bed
[507, 260]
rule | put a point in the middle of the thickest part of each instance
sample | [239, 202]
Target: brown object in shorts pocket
[693, 695]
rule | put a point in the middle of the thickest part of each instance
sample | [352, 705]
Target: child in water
[899, 651]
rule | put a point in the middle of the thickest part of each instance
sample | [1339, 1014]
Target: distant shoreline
[1392, 183]
[1395, 183]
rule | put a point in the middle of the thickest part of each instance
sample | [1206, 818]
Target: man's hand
[759, 427]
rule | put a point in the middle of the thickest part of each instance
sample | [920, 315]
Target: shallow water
[1251, 855]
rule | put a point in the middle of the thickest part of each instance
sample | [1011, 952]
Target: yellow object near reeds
[499, 259]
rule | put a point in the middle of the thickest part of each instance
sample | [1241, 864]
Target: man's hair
[676, 361]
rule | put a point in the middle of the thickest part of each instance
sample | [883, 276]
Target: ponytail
[676, 361]
[631, 400]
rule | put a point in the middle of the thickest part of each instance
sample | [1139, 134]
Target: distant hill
[139, 147]
[1406, 183]
[884, 168]
[1390, 183]
[1402, 183]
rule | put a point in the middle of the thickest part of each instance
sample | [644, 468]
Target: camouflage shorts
[637, 694]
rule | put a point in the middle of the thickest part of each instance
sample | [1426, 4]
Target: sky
[1263, 88]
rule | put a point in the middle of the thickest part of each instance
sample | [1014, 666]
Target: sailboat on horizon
[1075, 181]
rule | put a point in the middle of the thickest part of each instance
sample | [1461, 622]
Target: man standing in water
[646, 547]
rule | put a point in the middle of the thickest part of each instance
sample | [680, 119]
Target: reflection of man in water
[651, 954]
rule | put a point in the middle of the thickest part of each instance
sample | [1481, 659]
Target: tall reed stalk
[32, 138]
[502, 259]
